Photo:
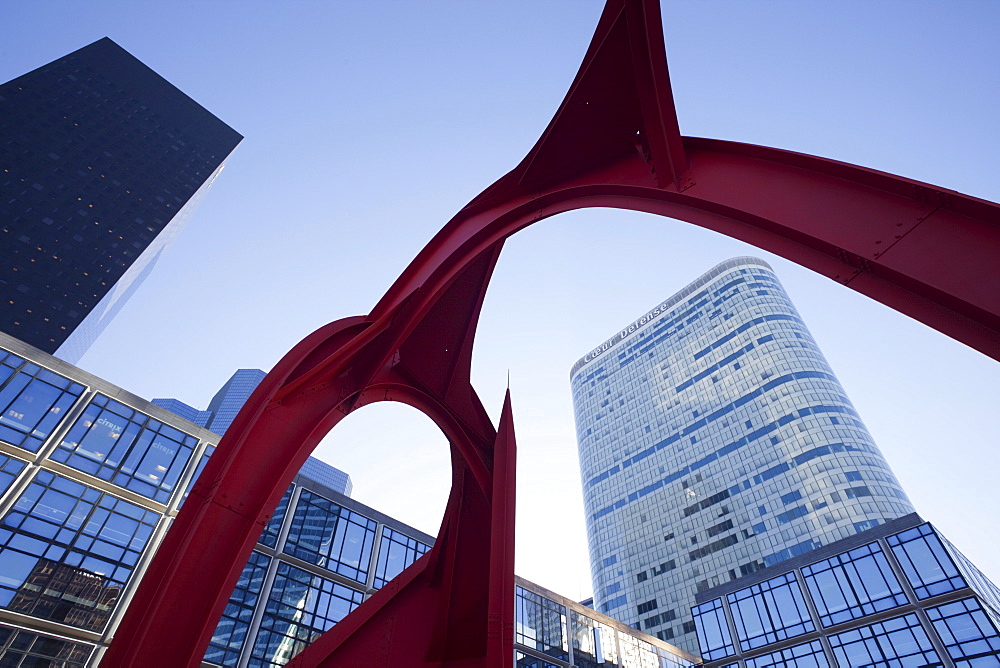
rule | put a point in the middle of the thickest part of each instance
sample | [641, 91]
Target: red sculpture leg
[614, 142]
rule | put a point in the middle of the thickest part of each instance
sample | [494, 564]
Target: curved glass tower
[714, 441]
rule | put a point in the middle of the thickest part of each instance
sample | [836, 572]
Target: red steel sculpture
[614, 142]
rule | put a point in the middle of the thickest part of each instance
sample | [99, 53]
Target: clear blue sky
[369, 124]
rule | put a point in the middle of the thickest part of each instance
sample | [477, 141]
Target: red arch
[922, 250]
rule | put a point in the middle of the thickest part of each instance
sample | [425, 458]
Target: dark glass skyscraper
[102, 162]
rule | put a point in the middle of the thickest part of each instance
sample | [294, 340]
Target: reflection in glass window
[540, 624]
[670, 660]
[900, 641]
[231, 633]
[32, 401]
[636, 653]
[770, 611]
[926, 563]
[9, 468]
[21, 647]
[853, 584]
[522, 660]
[593, 643]
[968, 632]
[328, 535]
[713, 631]
[127, 448]
[809, 655]
[396, 551]
[301, 607]
[269, 536]
[66, 551]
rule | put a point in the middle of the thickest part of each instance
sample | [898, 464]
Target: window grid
[67, 551]
[968, 632]
[895, 643]
[769, 611]
[808, 655]
[231, 633]
[540, 624]
[853, 584]
[396, 552]
[127, 448]
[10, 468]
[301, 606]
[331, 536]
[23, 647]
[713, 630]
[925, 562]
[32, 401]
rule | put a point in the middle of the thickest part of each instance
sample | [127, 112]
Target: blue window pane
[231, 632]
[32, 401]
[808, 655]
[396, 552]
[968, 632]
[540, 624]
[926, 563]
[713, 631]
[9, 469]
[66, 551]
[128, 448]
[853, 585]
[900, 641]
[301, 607]
[770, 611]
[327, 534]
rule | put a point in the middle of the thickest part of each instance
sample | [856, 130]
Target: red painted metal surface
[614, 142]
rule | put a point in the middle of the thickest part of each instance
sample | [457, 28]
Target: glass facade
[21, 647]
[94, 143]
[715, 441]
[127, 448]
[90, 479]
[301, 606]
[900, 641]
[769, 612]
[852, 585]
[33, 400]
[397, 551]
[874, 617]
[968, 630]
[927, 565]
[329, 535]
[88, 484]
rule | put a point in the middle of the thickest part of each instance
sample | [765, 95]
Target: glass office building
[102, 163]
[322, 554]
[715, 441]
[895, 595]
[91, 478]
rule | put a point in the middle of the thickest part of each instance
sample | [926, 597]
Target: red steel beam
[614, 142]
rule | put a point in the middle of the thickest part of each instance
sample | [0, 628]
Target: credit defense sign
[662, 309]
[625, 333]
